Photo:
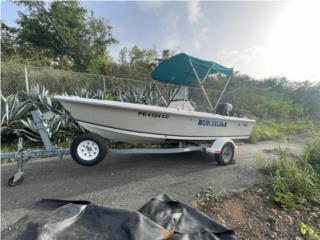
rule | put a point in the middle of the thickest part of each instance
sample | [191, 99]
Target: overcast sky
[261, 39]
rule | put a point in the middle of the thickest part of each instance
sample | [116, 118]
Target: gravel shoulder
[128, 181]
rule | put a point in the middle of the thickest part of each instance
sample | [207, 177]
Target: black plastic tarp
[161, 218]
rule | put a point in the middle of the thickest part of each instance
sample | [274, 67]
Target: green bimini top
[178, 70]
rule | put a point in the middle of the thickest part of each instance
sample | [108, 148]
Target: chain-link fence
[59, 81]
[15, 78]
[12, 79]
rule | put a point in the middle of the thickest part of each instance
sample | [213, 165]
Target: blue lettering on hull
[212, 123]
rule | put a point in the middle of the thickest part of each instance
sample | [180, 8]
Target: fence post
[26, 78]
[104, 86]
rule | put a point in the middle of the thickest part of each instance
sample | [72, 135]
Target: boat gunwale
[143, 107]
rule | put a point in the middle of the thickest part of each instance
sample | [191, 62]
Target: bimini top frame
[185, 70]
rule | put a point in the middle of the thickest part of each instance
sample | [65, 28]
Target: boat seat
[182, 105]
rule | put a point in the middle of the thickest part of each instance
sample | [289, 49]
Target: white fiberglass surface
[135, 106]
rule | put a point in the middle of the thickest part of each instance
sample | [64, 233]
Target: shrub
[264, 131]
[292, 181]
[268, 130]
[312, 154]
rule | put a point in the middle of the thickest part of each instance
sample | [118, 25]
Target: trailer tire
[226, 155]
[11, 183]
[88, 149]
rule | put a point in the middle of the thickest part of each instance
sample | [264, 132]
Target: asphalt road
[129, 181]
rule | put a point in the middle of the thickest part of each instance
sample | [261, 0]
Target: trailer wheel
[88, 149]
[226, 155]
[11, 183]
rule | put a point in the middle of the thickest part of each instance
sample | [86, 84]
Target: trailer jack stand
[23, 156]
[17, 178]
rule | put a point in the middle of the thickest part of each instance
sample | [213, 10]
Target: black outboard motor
[224, 109]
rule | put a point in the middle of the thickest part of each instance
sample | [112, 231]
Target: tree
[11, 50]
[123, 55]
[138, 62]
[167, 53]
[66, 33]
[136, 54]
[7, 42]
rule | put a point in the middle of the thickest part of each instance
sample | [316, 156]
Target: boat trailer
[23, 156]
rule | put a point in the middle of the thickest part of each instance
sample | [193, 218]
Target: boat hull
[137, 123]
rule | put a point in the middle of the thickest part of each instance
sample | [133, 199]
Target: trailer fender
[218, 144]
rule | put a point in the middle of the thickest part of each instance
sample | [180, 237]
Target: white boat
[179, 121]
[138, 123]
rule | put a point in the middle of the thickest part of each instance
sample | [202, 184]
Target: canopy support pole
[175, 93]
[147, 93]
[224, 89]
[205, 77]
[161, 96]
[200, 83]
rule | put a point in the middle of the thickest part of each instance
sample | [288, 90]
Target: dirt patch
[252, 215]
[235, 211]
[268, 151]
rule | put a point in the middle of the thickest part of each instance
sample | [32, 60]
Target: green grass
[267, 130]
[312, 154]
[5, 148]
[294, 181]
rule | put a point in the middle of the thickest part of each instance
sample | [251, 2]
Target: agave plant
[12, 111]
[16, 120]
[135, 95]
[54, 124]
[42, 96]
[42, 99]
[85, 93]
[82, 92]
[99, 94]
[30, 131]
[38, 95]
[152, 98]
[138, 95]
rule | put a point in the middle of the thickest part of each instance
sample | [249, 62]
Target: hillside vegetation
[281, 107]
